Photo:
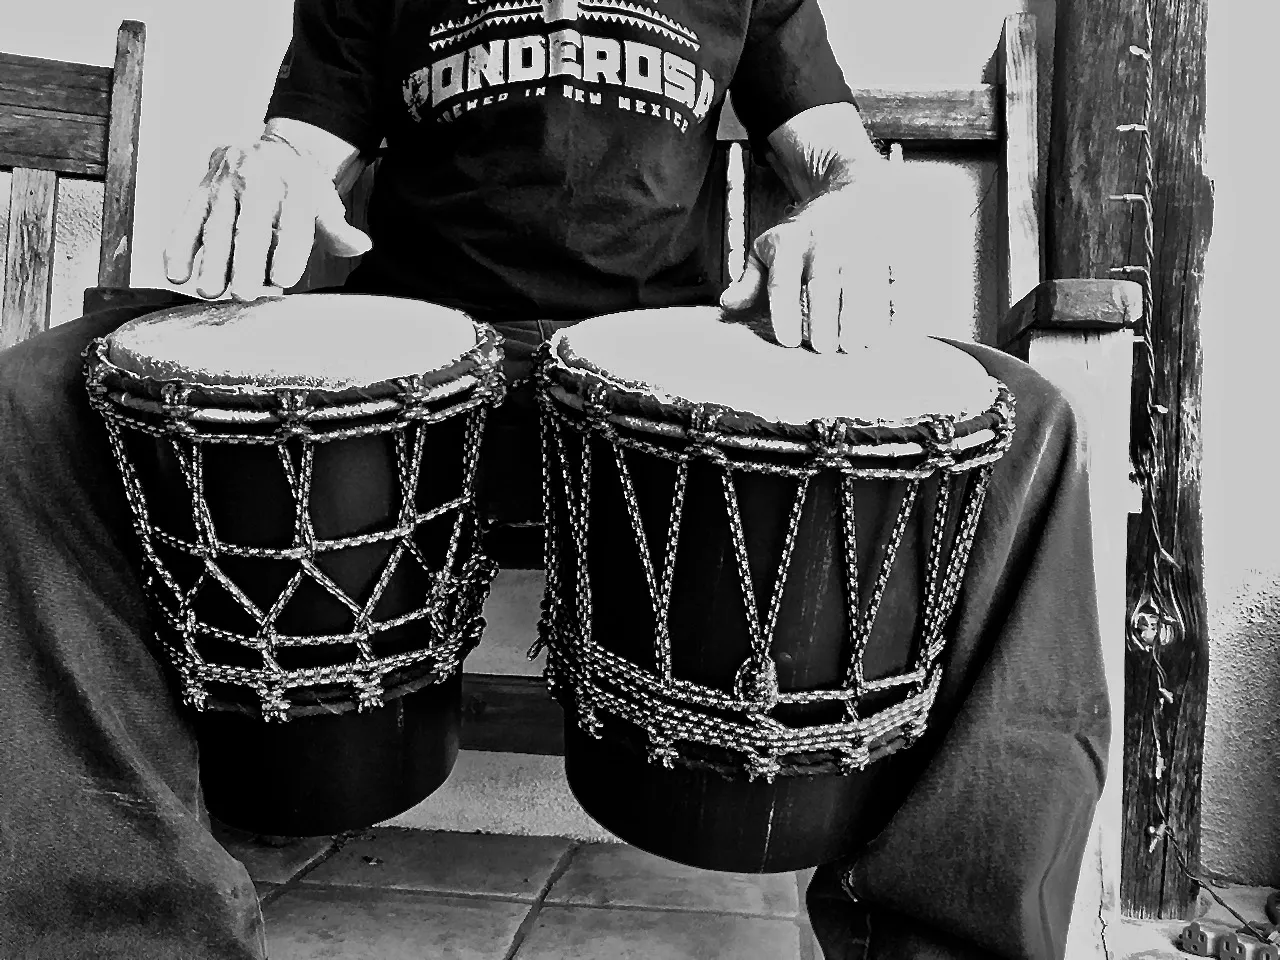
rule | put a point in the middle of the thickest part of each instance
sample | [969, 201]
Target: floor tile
[511, 614]
[439, 862]
[515, 793]
[329, 924]
[614, 874]
[273, 862]
[589, 933]
[1145, 940]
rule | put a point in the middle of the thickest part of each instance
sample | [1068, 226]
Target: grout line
[279, 890]
[526, 925]
[367, 891]
[690, 911]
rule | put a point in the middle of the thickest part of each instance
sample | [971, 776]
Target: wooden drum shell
[322, 771]
[702, 805]
[305, 735]
[706, 818]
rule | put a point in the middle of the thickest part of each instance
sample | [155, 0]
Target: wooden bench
[60, 120]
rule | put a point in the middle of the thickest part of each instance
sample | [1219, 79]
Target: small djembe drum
[752, 558]
[301, 474]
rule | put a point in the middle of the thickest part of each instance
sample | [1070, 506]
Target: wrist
[331, 155]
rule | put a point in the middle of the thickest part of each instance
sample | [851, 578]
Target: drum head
[315, 341]
[692, 354]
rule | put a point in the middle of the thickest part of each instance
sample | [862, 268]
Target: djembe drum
[752, 558]
[301, 476]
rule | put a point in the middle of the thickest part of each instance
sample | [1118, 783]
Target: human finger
[745, 291]
[188, 232]
[185, 238]
[295, 235]
[333, 229]
[823, 290]
[784, 259]
[251, 241]
[218, 236]
[866, 300]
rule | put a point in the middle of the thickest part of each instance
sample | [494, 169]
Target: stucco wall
[207, 78]
[1241, 812]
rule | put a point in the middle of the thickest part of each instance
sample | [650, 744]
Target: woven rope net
[248, 657]
[743, 727]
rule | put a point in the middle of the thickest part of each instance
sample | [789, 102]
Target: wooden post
[1096, 222]
[27, 284]
[1020, 172]
[121, 176]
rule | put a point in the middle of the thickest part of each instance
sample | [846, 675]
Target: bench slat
[51, 140]
[24, 309]
[508, 714]
[1020, 173]
[915, 116]
[50, 85]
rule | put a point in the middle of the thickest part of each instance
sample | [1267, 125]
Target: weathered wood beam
[53, 115]
[1020, 175]
[28, 275]
[1073, 304]
[915, 116]
[508, 714]
[50, 140]
[37, 84]
[1096, 156]
[121, 177]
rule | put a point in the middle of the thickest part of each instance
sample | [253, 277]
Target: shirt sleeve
[329, 77]
[787, 66]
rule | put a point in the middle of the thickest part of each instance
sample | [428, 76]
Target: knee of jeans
[33, 407]
[22, 398]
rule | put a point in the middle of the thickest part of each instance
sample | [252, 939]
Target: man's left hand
[824, 270]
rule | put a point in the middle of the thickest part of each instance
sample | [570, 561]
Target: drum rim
[636, 404]
[206, 313]
[250, 403]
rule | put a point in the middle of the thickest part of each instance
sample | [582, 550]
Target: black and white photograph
[638, 480]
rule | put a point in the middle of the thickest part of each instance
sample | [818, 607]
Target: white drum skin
[695, 354]
[318, 341]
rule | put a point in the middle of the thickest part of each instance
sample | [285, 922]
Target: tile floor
[397, 894]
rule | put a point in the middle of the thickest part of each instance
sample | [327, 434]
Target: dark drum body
[311, 558]
[743, 616]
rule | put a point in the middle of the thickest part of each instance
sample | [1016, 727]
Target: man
[545, 161]
[551, 168]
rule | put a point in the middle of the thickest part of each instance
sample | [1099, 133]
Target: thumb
[744, 291]
[334, 232]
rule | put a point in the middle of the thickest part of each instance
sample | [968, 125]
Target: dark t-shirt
[549, 158]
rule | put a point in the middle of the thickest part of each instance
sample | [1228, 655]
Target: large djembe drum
[753, 555]
[301, 476]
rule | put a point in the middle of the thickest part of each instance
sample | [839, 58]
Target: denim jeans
[105, 851]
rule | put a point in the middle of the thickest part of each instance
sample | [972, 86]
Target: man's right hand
[251, 223]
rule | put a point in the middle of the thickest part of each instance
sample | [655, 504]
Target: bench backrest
[60, 120]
